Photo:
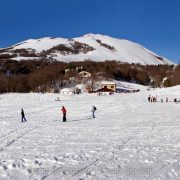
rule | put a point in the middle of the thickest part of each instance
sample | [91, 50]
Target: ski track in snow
[128, 134]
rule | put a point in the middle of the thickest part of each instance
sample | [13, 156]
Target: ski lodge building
[107, 86]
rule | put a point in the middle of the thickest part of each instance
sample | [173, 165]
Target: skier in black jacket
[23, 119]
[93, 111]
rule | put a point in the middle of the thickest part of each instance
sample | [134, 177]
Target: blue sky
[152, 23]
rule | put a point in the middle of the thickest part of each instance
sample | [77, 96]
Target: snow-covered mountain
[94, 47]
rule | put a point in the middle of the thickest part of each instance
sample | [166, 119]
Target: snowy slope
[101, 48]
[41, 44]
[130, 138]
[165, 92]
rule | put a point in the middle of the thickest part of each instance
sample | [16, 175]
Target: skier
[64, 113]
[23, 116]
[149, 98]
[93, 111]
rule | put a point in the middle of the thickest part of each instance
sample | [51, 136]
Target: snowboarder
[64, 113]
[93, 111]
[23, 119]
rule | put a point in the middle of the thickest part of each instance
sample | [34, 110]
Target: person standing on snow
[167, 99]
[64, 113]
[93, 111]
[23, 119]
[149, 98]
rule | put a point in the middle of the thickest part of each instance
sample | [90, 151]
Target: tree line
[27, 76]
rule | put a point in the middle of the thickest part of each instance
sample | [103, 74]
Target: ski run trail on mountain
[129, 139]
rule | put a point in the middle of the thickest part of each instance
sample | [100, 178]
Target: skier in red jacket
[64, 113]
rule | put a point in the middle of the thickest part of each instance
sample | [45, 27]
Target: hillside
[93, 47]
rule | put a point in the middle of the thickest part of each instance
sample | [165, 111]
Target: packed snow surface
[130, 138]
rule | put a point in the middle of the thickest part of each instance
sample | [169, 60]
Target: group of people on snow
[154, 99]
[104, 93]
[176, 101]
[63, 110]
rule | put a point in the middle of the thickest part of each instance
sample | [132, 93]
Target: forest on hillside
[27, 76]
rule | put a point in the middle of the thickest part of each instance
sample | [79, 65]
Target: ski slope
[130, 138]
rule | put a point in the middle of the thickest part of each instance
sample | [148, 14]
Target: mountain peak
[95, 47]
